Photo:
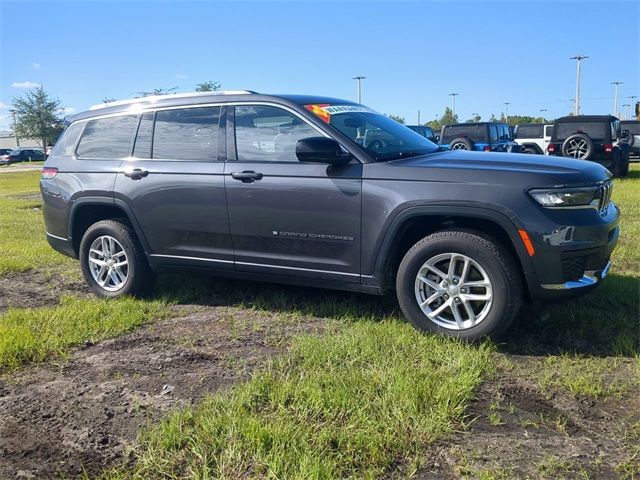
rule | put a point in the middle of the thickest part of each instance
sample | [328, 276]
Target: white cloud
[26, 84]
[67, 111]
[36, 65]
[3, 106]
[181, 76]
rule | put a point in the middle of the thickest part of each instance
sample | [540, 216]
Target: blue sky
[413, 53]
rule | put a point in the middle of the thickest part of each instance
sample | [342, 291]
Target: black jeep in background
[634, 136]
[598, 138]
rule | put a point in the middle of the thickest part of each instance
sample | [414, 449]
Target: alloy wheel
[108, 263]
[453, 291]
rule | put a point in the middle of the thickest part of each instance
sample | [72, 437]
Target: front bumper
[588, 279]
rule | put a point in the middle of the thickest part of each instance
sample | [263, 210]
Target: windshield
[379, 136]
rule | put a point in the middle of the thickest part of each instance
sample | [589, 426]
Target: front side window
[505, 135]
[268, 134]
[186, 134]
[107, 137]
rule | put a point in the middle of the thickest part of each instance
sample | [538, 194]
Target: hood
[496, 167]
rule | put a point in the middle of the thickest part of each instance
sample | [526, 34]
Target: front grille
[573, 268]
[606, 189]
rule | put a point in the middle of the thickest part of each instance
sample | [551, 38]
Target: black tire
[531, 150]
[461, 143]
[498, 264]
[621, 165]
[139, 277]
[577, 138]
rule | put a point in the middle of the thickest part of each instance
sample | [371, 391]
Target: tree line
[448, 118]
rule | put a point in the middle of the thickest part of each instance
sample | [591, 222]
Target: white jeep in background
[534, 137]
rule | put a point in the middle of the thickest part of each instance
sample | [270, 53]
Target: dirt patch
[32, 289]
[88, 410]
[516, 430]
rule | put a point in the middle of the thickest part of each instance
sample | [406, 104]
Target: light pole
[418, 116]
[633, 102]
[542, 110]
[453, 103]
[627, 113]
[359, 78]
[506, 104]
[15, 134]
[615, 97]
[576, 106]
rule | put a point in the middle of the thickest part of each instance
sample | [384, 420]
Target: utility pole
[418, 116]
[453, 103]
[359, 78]
[615, 98]
[576, 106]
[15, 134]
[542, 110]
[506, 104]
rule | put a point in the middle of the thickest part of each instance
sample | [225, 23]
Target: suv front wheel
[459, 283]
[112, 261]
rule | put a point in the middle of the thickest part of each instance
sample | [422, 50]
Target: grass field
[367, 395]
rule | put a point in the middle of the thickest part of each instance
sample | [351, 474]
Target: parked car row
[599, 138]
[17, 155]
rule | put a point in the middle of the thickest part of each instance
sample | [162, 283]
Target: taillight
[551, 148]
[608, 148]
[48, 173]
[486, 148]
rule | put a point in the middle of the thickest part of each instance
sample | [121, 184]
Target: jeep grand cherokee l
[327, 193]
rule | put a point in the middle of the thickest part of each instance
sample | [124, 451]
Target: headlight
[567, 197]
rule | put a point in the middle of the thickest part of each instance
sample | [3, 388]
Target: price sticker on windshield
[324, 110]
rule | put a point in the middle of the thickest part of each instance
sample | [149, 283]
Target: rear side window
[493, 133]
[186, 134]
[530, 131]
[107, 137]
[475, 133]
[67, 142]
[548, 130]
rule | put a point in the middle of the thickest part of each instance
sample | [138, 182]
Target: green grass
[35, 334]
[346, 404]
[22, 233]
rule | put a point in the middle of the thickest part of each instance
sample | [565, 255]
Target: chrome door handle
[247, 176]
[135, 173]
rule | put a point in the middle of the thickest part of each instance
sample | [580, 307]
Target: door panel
[298, 219]
[179, 201]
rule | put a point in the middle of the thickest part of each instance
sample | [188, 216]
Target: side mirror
[321, 150]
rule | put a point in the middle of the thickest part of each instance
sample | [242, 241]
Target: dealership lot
[80, 377]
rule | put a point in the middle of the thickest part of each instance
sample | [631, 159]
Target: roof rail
[155, 98]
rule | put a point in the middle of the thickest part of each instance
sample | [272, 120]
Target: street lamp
[615, 97]
[359, 78]
[576, 106]
[15, 134]
[628, 110]
[542, 110]
[506, 104]
[453, 103]
[633, 102]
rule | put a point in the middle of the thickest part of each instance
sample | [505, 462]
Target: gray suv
[327, 193]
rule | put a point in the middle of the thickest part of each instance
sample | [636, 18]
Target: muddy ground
[85, 412]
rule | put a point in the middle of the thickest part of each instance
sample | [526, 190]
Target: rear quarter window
[107, 138]
[66, 144]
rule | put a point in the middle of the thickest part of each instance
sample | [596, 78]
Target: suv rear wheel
[459, 283]
[578, 146]
[461, 143]
[112, 261]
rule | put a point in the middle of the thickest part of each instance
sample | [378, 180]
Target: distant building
[8, 140]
